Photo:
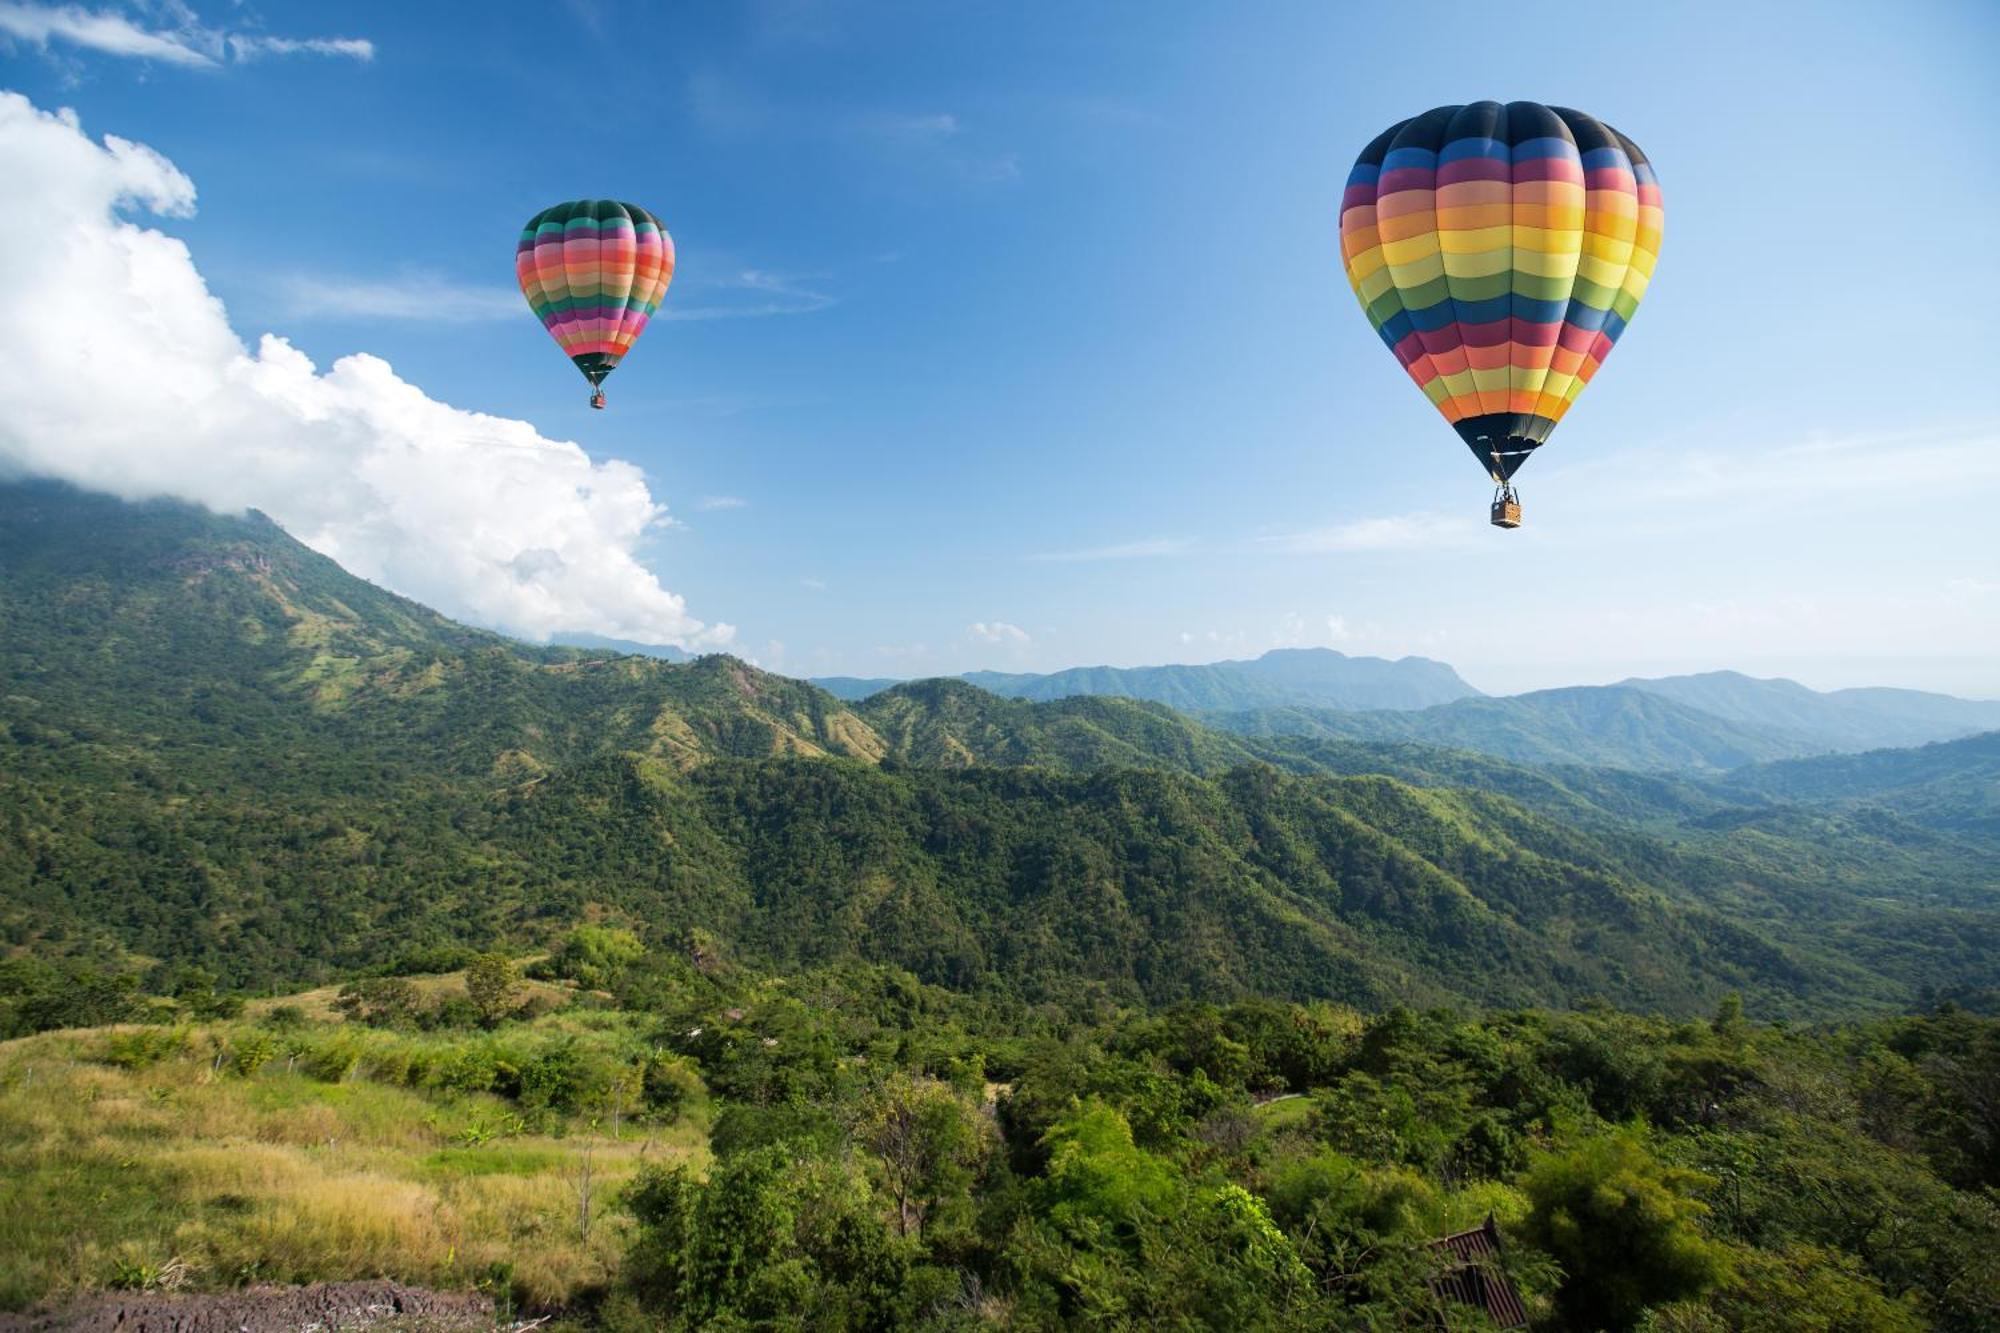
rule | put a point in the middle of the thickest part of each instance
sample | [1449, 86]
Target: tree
[927, 1142]
[1623, 1229]
[490, 983]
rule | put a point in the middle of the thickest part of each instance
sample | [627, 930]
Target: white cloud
[186, 42]
[714, 502]
[1140, 550]
[997, 631]
[1337, 629]
[119, 371]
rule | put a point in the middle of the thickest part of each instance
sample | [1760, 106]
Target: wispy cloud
[416, 296]
[997, 631]
[246, 49]
[714, 502]
[109, 33]
[749, 294]
[934, 140]
[1940, 462]
[186, 42]
[753, 293]
[1140, 550]
[1400, 532]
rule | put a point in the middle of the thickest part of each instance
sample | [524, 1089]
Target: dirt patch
[322, 1306]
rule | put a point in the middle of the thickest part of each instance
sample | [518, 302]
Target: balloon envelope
[594, 271]
[1499, 251]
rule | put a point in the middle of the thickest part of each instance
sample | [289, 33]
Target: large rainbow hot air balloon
[594, 271]
[1500, 251]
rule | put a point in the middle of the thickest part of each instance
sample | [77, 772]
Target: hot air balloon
[594, 271]
[1499, 251]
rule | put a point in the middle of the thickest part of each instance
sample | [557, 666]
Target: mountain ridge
[1280, 677]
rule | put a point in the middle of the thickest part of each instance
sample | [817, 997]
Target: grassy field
[214, 1155]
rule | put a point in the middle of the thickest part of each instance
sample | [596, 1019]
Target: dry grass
[109, 1176]
[318, 1004]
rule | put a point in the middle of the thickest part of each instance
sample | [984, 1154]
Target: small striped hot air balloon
[594, 271]
[1499, 251]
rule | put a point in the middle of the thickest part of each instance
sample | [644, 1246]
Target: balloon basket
[1506, 508]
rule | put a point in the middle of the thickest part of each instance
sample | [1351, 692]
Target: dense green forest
[655, 1137]
[943, 1009]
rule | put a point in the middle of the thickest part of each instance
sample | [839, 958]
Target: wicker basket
[1507, 513]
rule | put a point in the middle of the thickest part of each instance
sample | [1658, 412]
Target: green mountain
[1860, 719]
[1952, 786]
[1608, 725]
[218, 747]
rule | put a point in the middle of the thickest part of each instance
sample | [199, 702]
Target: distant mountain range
[1861, 719]
[666, 652]
[1703, 723]
[1283, 677]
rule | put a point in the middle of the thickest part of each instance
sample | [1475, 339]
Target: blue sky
[1015, 336]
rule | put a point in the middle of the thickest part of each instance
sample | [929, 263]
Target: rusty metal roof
[1473, 1275]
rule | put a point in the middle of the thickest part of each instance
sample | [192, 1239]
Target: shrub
[147, 1046]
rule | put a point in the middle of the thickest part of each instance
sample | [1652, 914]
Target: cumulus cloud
[186, 41]
[997, 631]
[119, 371]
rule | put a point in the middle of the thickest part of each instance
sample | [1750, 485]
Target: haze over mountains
[1283, 677]
[218, 747]
[1712, 722]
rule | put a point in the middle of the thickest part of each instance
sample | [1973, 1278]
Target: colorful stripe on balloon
[1499, 251]
[594, 271]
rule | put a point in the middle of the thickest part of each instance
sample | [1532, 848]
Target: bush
[670, 1087]
[148, 1046]
[1623, 1229]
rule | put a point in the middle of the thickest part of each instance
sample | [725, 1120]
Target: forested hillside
[1617, 726]
[222, 750]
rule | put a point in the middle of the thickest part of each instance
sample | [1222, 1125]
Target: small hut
[1472, 1275]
